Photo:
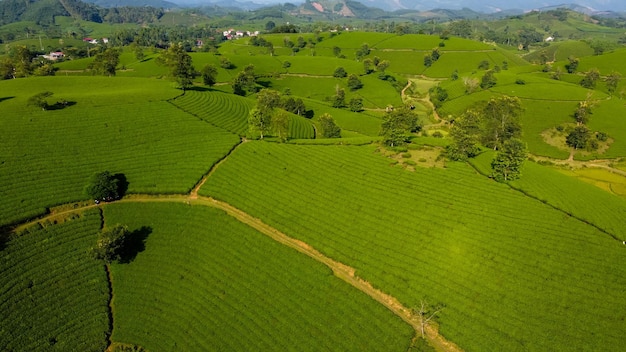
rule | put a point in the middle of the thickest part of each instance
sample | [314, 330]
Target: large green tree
[105, 63]
[103, 186]
[329, 127]
[209, 75]
[506, 166]
[180, 65]
[111, 244]
[245, 81]
[397, 126]
[466, 133]
[501, 120]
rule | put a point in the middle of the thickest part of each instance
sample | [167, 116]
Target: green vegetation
[53, 295]
[204, 271]
[504, 256]
[382, 142]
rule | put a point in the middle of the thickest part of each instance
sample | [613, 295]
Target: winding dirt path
[340, 270]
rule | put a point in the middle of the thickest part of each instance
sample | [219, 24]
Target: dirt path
[598, 163]
[342, 271]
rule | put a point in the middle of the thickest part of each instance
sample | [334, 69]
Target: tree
[260, 121]
[579, 137]
[397, 125]
[355, 104]
[426, 314]
[483, 65]
[470, 84]
[111, 244]
[336, 51]
[508, 162]
[40, 100]
[294, 106]
[340, 72]
[367, 66]
[286, 65]
[329, 127]
[103, 186]
[363, 51]
[465, 133]
[590, 79]
[339, 100]
[7, 68]
[437, 95]
[270, 25]
[581, 115]
[428, 60]
[268, 99]
[501, 120]
[180, 64]
[612, 81]
[209, 75]
[354, 83]
[280, 125]
[488, 80]
[105, 63]
[381, 67]
[225, 63]
[572, 64]
[245, 81]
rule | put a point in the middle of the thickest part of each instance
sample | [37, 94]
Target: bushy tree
[368, 65]
[397, 126]
[329, 127]
[507, 164]
[354, 83]
[260, 122]
[105, 63]
[339, 99]
[438, 95]
[103, 186]
[583, 110]
[209, 75]
[280, 125]
[590, 79]
[111, 244]
[40, 100]
[466, 134]
[180, 65]
[579, 137]
[355, 104]
[340, 72]
[572, 64]
[245, 81]
[501, 120]
[612, 81]
[488, 80]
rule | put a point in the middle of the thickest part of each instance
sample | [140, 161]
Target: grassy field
[503, 267]
[48, 156]
[208, 282]
[53, 295]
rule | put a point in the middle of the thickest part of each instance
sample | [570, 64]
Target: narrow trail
[570, 161]
[194, 191]
[340, 270]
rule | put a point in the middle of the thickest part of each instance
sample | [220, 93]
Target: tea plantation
[535, 264]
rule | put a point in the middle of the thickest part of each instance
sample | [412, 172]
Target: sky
[477, 5]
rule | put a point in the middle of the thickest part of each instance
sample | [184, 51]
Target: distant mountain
[492, 5]
[134, 3]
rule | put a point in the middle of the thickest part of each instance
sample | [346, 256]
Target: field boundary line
[194, 191]
[340, 270]
[526, 194]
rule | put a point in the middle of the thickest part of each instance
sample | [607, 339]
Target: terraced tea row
[499, 261]
[227, 111]
[53, 295]
[208, 282]
[48, 156]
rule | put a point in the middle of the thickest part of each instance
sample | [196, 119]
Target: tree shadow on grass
[5, 98]
[122, 184]
[135, 243]
[59, 105]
